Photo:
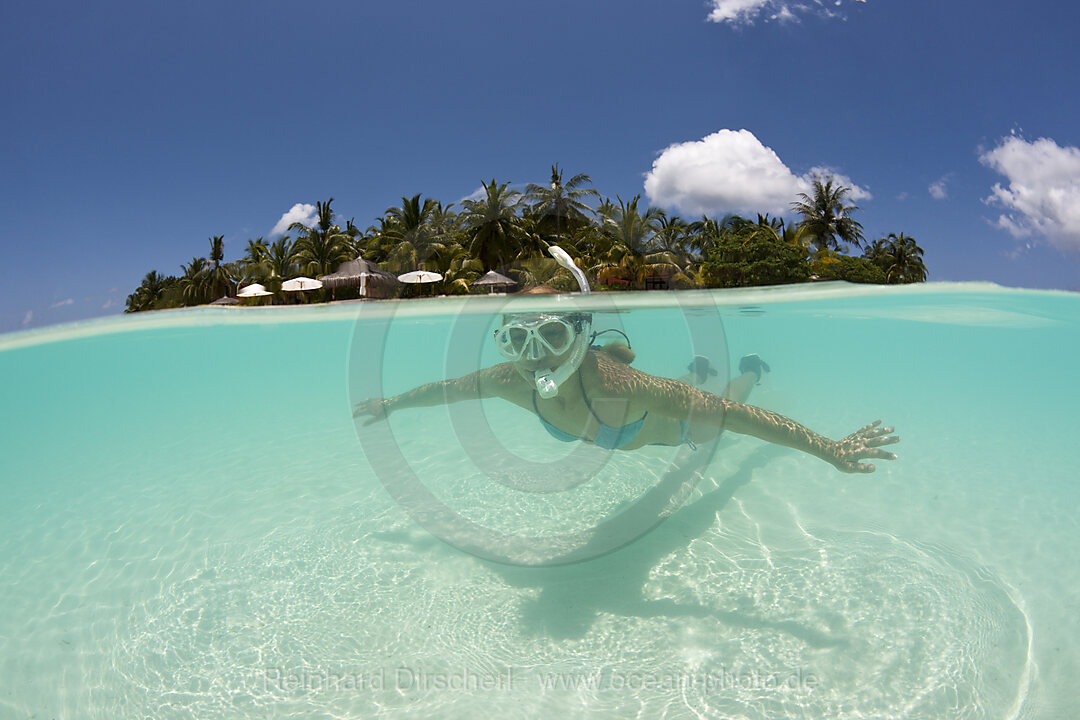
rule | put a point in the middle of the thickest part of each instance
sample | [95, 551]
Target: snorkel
[548, 380]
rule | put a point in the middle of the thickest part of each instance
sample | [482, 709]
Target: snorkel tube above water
[547, 380]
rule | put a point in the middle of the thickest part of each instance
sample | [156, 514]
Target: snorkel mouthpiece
[546, 387]
[548, 381]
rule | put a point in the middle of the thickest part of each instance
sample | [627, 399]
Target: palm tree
[444, 223]
[827, 217]
[279, 263]
[320, 249]
[406, 235]
[252, 266]
[563, 201]
[906, 263]
[877, 252]
[631, 252]
[193, 284]
[219, 277]
[460, 270]
[704, 235]
[796, 234]
[672, 236]
[255, 252]
[531, 236]
[148, 293]
[492, 225]
[767, 227]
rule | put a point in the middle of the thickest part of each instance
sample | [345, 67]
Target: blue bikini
[608, 437]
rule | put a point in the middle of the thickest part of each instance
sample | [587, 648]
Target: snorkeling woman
[581, 392]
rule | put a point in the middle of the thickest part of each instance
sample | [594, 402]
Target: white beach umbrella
[254, 290]
[300, 284]
[420, 276]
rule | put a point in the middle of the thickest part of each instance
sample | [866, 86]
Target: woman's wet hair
[540, 290]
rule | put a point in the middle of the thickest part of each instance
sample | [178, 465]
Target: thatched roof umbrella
[226, 300]
[358, 273]
[492, 280]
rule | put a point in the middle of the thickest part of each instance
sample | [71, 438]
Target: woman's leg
[739, 388]
[751, 367]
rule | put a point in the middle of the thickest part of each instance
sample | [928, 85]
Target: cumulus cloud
[28, 318]
[62, 303]
[938, 189]
[305, 213]
[731, 171]
[745, 12]
[1042, 196]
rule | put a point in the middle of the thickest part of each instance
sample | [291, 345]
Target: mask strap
[598, 334]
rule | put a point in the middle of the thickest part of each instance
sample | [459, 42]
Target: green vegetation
[620, 244]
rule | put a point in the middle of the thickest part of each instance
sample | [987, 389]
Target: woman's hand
[376, 408]
[863, 443]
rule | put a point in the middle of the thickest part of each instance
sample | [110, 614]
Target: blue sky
[130, 132]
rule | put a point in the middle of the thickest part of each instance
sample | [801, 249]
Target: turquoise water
[194, 527]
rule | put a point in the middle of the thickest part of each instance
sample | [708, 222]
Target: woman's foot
[753, 363]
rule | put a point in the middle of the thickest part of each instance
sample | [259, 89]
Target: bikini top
[607, 437]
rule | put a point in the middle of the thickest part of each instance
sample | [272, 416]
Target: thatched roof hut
[359, 273]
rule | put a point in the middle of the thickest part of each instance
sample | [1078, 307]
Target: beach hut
[362, 274]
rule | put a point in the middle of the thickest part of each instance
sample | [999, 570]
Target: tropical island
[620, 245]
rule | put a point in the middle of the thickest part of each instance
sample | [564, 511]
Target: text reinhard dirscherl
[416, 679]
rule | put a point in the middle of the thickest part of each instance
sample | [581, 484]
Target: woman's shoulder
[616, 377]
[613, 374]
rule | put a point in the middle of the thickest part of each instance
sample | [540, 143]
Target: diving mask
[532, 337]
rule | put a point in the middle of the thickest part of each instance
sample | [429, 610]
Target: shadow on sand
[572, 597]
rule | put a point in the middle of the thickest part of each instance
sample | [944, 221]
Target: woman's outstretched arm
[497, 381]
[678, 400]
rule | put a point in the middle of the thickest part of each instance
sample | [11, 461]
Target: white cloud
[1043, 193]
[855, 194]
[478, 194]
[62, 303]
[300, 212]
[938, 189]
[730, 171]
[745, 12]
[28, 318]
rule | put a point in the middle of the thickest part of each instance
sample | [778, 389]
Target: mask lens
[510, 341]
[556, 335]
[516, 339]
